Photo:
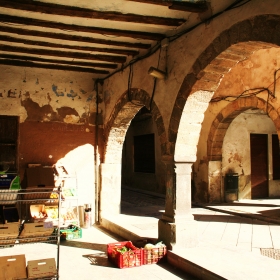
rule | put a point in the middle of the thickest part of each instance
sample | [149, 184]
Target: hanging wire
[252, 92]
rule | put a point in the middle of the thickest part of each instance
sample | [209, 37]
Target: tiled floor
[86, 258]
[231, 240]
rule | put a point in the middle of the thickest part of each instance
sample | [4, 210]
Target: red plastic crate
[131, 258]
[151, 256]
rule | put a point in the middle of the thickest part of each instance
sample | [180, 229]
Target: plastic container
[131, 258]
[154, 255]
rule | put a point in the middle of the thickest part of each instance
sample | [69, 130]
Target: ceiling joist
[87, 29]
[75, 38]
[59, 61]
[51, 66]
[9, 39]
[55, 9]
[193, 7]
[74, 55]
[100, 36]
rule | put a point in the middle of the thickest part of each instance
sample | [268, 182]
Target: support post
[177, 227]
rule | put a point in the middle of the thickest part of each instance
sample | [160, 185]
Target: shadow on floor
[227, 219]
[99, 259]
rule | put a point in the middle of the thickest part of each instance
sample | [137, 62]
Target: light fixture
[157, 73]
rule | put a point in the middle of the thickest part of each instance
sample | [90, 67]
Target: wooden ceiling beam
[79, 28]
[51, 66]
[58, 61]
[4, 38]
[55, 9]
[66, 37]
[75, 55]
[192, 7]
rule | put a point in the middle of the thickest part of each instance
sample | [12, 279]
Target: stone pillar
[110, 190]
[177, 228]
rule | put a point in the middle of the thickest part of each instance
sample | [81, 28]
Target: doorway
[259, 165]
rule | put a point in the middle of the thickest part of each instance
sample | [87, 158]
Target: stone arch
[228, 49]
[119, 121]
[226, 116]
[114, 132]
[216, 135]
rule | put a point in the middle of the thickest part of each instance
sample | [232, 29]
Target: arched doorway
[115, 133]
[232, 144]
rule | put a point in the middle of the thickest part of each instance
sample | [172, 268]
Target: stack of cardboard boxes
[16, 267]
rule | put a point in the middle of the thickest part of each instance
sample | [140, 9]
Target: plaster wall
[180, 58]
[247, 77]
[236, 150]
[57, 116]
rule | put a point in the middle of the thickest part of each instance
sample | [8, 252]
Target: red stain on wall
[39, 140]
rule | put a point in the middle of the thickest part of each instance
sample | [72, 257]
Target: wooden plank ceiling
[97, 36]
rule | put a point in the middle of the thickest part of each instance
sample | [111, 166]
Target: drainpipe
[95, 159]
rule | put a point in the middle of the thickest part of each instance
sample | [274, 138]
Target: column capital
[183, 167]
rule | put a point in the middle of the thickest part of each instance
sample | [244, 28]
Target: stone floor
[240, 240]
[236, 240]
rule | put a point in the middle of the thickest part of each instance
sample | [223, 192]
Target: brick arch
[119, 121]
[226, 51]
[226, 116]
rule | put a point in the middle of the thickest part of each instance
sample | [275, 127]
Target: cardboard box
[35, 232]
[8, 233]
[13, 267]
[39, 177]
[41, 268]
[39, 183]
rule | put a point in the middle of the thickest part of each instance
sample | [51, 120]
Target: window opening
[144, 153]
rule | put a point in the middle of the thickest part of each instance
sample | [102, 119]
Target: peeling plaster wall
[253, 73]
[41, 95]
[57, 114]
[236, 150]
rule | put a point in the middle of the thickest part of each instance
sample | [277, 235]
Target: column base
[178, 235]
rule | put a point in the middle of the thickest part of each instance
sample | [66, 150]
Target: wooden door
[259, 165]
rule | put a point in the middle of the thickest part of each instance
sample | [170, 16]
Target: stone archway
[226, 116]
[197, 89]
[216, 138]
[115, 131]
[199, 86]
[228, 49]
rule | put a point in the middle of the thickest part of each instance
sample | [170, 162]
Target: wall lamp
[157, 73]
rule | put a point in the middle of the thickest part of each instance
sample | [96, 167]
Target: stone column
[110, 191]
[177, 228]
